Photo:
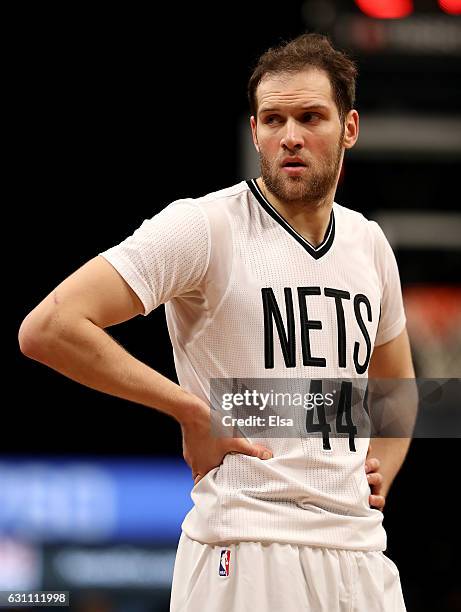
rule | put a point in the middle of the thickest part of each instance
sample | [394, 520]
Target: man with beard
[268, 279]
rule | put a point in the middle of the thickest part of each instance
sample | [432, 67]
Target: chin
[293, 188]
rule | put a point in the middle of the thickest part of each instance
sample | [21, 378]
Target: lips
[293, 162]
[293, 170]
[293, 166]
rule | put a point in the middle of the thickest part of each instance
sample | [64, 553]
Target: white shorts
[263, 577]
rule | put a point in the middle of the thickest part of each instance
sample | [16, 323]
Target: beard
[310, 189]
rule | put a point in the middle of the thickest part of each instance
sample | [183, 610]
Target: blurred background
[119, 111]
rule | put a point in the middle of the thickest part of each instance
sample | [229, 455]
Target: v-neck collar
[315, 252]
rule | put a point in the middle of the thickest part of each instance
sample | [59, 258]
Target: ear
[253, 132]
[351, 129]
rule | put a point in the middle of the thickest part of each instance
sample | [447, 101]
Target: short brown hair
[305, 51]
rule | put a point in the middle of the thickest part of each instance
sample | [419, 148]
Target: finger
[260, 451]
[377, 501]
[375, 480]
[263, 452]
[369, 450]
[372, 465]
[197, 478]
[252, 450]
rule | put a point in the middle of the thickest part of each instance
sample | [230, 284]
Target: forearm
[87, 354]
[391, 453]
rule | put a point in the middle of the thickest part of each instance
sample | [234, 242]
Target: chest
[320, 313]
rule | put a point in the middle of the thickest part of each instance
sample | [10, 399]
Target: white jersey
[248, 297]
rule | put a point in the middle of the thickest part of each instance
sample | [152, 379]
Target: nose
[292, 138]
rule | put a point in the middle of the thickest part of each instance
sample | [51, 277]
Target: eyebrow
[304, 108]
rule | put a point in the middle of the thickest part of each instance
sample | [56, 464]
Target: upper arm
[165, 257]
[392, 359]
[391, 356]
[392, 316]
[393, 403]
[96, 291]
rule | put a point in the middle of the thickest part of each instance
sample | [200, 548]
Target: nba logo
[224, 562]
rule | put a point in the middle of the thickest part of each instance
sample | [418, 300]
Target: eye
[270, 119]
[309, 117]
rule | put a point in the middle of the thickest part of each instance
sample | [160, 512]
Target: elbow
[34, 341]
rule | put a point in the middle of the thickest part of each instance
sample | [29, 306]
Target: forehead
[308, 86]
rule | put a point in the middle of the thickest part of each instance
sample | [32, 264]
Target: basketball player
[269, 278]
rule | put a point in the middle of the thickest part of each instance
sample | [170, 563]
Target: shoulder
[215, 197]
[350, 217]
[235, 191]
[213, 209]
[355, 223]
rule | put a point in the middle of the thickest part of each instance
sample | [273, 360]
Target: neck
[309, 220]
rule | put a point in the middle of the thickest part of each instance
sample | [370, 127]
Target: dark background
[119, 112]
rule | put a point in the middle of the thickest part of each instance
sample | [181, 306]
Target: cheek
[269, 146]
[326, 145]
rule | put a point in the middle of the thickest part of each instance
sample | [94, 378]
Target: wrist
[194, 412]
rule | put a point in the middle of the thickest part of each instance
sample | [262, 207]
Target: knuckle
[374, 464]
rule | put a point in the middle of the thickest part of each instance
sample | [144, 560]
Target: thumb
[197, 478]
[369, 450]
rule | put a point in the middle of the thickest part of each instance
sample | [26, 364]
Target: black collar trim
[315, 252]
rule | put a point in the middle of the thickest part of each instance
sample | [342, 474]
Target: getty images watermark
[326, 408]
[261, 401]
